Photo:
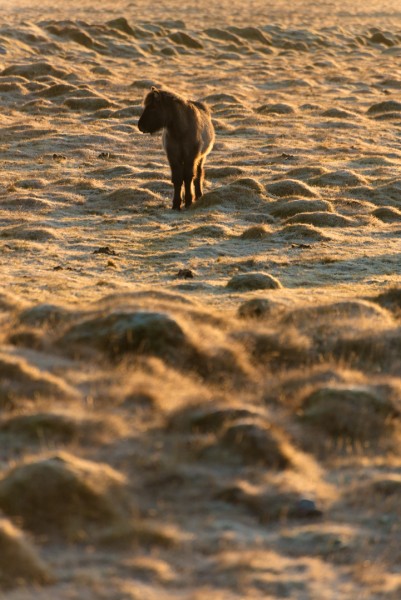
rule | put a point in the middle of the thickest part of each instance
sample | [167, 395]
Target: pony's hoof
[176, 207]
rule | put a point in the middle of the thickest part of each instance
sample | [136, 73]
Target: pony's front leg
[177, 177]
[189, 174]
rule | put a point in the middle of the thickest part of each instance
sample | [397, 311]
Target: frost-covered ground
[233, 434]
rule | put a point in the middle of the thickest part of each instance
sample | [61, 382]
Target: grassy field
[203, 404]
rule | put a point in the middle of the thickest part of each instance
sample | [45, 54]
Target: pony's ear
[154, 90]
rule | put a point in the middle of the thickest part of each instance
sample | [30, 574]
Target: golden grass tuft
[21, 381]
[346, 413]
[256, 232]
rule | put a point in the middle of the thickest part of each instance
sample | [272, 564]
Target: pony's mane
[172, 96]
[166, 95]
[169, 96]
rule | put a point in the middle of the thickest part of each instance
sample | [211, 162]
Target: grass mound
[204, 419]
[20, 563]
[388, 214]
[321, 219]
[21, 381]
[255, 443]
[355, 314]
[380, 493]
[257, 308]
[289, 208]
[390, 299]
[31, 234]
[139, 332]
[255, 232]
[245, 192]
[253, 281]
[63, 494]
[290, 187]
[45, 427]
[340, 178]
[135, 334]
[349, 413]
[302, 232]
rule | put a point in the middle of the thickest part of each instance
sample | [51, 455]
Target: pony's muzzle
[142, 126]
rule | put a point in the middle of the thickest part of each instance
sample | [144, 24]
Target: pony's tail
[202, 106]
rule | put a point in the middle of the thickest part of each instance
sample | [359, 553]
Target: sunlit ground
[203, 403]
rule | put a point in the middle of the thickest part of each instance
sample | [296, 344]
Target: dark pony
[188, 137]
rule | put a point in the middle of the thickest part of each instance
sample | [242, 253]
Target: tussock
[43, 314]
[255, 443]
[388, 214]
[346, 316]
[278, 349]
[139, 534]
[302, 232]
[25, 232]
[350, 413]
[253, 281]
[390, 299]
[21, 381]
[57, 428]
[20, 563]
[378, 492]
[208, 418]
[64, 495]
[289, 208]
[290, 187]
[259, 308]
[143, 333]
[242, 193]
[343, 178]
[255, 233]
[322, 219]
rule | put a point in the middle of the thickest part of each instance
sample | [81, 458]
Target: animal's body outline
[188, 137]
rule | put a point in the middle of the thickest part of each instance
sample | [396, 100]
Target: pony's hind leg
[177, 178]
[189, 173]
[199, 179]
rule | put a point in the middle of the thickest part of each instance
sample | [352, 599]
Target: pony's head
[153, 117]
